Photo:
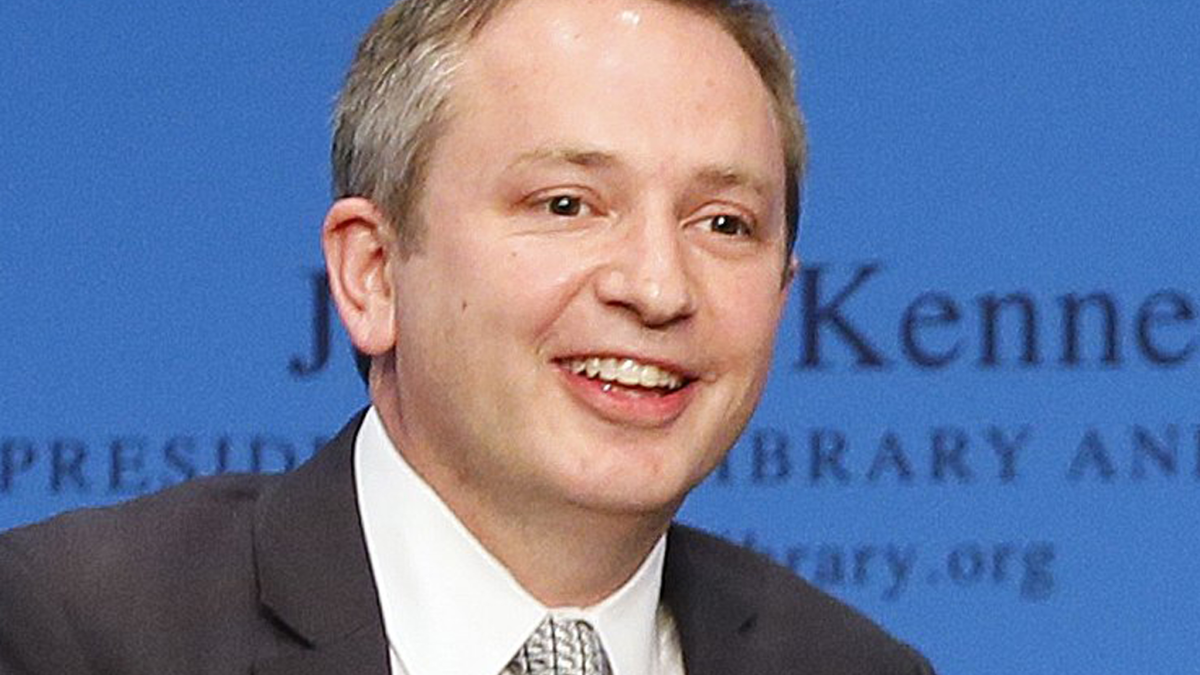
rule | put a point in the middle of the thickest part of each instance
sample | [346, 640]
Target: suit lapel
[358, 653]
[715, 622]
[314, 575]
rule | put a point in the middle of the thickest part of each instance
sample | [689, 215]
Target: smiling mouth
[627, 373]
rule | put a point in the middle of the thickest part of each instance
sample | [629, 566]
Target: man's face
[591, 314]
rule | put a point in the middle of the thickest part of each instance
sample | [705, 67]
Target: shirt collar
[454, 609]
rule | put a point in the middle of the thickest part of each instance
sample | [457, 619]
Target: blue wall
[955, 439]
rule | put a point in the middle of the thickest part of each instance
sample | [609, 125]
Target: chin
[627, 489]
[637, 504]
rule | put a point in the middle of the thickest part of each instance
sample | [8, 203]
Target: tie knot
[561, 647]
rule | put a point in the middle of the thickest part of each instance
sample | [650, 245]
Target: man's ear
[790, 272]
[358, 240]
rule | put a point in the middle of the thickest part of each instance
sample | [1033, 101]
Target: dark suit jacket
[269, 574]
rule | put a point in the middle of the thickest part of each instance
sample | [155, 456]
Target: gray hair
[392, 108]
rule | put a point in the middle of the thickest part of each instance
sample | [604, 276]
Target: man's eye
[565, 205]
[729, 224]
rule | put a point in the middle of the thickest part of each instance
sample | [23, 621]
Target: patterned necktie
[561, 647]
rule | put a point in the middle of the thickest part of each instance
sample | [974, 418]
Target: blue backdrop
[982, 428]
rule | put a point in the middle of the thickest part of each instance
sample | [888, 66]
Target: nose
[647, 273]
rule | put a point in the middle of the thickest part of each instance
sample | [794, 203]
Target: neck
[567, 559]
[565, 555]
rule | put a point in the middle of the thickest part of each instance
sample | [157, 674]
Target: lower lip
[627, 405]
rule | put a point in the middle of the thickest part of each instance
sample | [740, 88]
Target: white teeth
[627, 372]
[608, 369]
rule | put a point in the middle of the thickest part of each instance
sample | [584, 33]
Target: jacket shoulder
[106, 585]
[188, 521]
[788, 619]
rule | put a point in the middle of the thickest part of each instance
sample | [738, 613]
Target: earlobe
[358, 239]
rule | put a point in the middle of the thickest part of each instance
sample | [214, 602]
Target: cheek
[530, 283]
[746, 310]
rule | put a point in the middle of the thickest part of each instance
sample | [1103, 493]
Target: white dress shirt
[451, 608]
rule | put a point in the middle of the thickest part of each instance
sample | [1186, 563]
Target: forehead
[647, 80]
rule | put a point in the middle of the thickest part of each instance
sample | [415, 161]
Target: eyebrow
[732, 177]
[712, 177]
[581, 157]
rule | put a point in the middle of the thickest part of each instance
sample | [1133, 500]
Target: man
[563, 239]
